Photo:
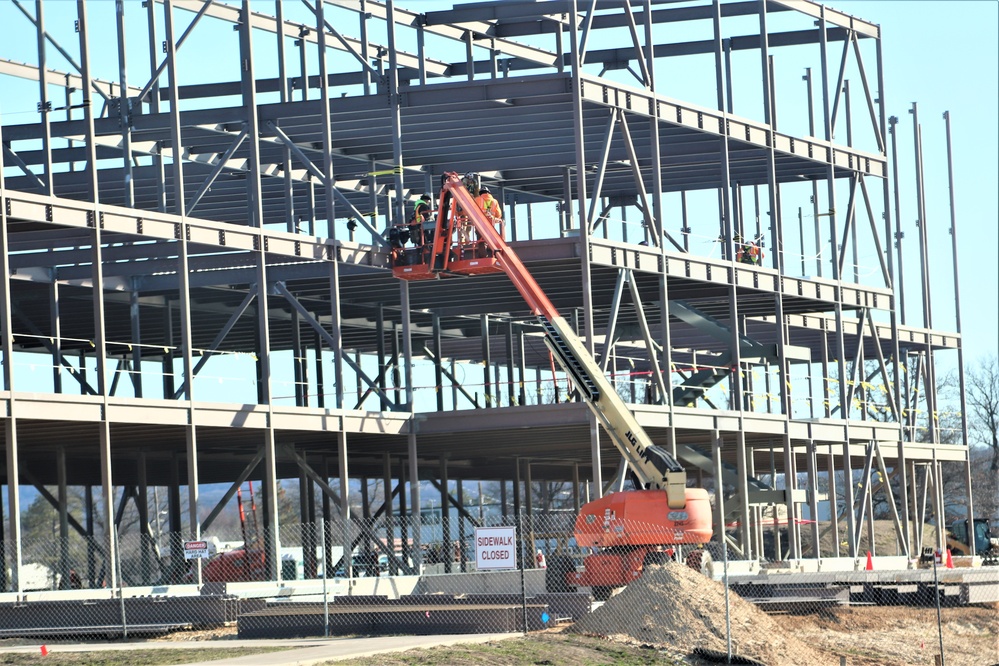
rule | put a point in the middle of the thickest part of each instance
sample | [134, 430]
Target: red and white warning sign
[196, 550]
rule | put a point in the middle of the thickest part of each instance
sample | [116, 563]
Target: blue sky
[945, 56]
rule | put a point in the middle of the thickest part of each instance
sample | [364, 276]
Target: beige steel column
[716, 449]
[12, 546]
[97, 291]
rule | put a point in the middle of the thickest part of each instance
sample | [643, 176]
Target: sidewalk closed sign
[196, 550]
[495, 548]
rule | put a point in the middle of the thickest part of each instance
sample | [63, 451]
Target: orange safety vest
[489, 205]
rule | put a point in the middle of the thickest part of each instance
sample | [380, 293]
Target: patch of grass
[538, 650]
[143, 657]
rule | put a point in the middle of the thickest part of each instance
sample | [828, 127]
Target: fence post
[936, 592]
[728, 613]
[326, 561]
[523, 564]
[121, 584]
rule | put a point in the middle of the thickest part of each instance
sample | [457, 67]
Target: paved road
[300, 652]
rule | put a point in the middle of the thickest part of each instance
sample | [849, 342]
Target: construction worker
[747, 253]
[419, 231]
[491, 207]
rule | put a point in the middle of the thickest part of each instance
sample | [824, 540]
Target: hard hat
[483, 190]
[427, 195]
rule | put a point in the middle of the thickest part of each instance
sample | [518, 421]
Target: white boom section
[654, 466]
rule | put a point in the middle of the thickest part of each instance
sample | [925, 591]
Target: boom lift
[628, 527]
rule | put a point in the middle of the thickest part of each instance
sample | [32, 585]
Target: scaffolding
[200, 288]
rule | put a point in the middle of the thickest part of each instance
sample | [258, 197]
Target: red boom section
[505, 256]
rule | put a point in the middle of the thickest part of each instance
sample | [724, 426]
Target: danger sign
[196, 550]
[495, 548]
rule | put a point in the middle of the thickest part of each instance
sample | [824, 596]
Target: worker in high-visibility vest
[747, 253]
[421, 224]
[490, 207]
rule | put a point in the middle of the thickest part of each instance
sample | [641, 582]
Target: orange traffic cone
[870, 562]
[950, 560]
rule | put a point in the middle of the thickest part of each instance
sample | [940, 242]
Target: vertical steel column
[815, 186]
[124, 106]
[248, 89]
[320, 384]
[900, 283]
[580, 156]
[100, 343]
[55, 323]
[446, 546]
[745, 542]
[336, 332]
[516, 499]
[719, 511]
[813, 498]
[736, 387]
[522, 368]
[462, 560]
[285, 96]
[511, 397]
[136, 336]
[404, 522]
[44, 105]
[776, 223]
[10, 555]
[183, 270]
[924, 264]
[363, 17]
[957, 320]
[298, 361]
[844, 407]
[341, 450]
[380, 353]
[833, 499]
[575, 487]
[174, 520]
[790, 485]
[303, 64]
[153, 99]
[142, 504]
[847, 111]
[324, 94]
[63, 509]
[487, 387]
[438, 362]
[395, 104]
[924, 257]
[327, 512]
[387, 505]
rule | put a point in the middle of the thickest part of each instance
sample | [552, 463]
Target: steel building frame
[149, 229]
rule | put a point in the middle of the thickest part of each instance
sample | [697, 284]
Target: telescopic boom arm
[654, 466]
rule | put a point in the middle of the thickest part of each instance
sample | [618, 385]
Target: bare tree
[982, 396]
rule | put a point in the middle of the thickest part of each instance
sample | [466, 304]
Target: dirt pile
[674, 605]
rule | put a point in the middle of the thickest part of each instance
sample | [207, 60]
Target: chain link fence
[609, 575]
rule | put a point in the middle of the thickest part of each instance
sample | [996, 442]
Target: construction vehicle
[986, 542]
[631, 529]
